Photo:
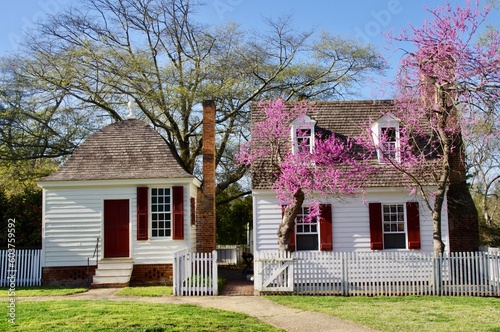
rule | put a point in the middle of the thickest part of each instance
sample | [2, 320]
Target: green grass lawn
[43, 291]
[71, 315]
[411, 313]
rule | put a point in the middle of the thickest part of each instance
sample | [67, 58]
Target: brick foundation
[152, 274]
[72, 276]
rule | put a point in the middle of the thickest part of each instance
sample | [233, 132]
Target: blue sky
[361, 19]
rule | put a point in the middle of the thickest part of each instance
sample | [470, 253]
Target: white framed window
[386, 137]
[390, 146]
[302, 132]
[394, 226]
[161, 212]
[306, 232]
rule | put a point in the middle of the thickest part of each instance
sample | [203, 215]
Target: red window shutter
[142, 213]
[292, 234]
[413, 223]
[178, 213]
[193, 211]
[325, 227]
[376, 236]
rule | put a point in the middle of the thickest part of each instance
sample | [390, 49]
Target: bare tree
[103, 53]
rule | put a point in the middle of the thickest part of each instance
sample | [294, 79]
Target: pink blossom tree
[443, 88]
[327, 166]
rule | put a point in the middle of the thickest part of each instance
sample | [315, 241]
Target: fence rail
[195, 274]
[21, 267]
[378, 273]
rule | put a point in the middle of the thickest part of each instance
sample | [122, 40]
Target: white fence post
[27, 269]
[195, 273]
[215, 276]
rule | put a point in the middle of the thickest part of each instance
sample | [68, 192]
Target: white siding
[350, 221]
[72, 222]
[73, 219]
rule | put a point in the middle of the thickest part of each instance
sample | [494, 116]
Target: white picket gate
[377, 273]
[195, 274]
[20, 267]
[274, 272]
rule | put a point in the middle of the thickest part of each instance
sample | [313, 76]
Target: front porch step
[115, 272]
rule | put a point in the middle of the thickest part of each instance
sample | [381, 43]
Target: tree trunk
[438, 244]
[288, 221]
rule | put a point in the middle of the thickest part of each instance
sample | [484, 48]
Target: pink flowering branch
[331, 167]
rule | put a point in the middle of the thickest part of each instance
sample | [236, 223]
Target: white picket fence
[377, 273]
[20, 268]
[195, 274]
[231, 254]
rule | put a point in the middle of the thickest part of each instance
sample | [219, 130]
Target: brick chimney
[205, 219]
[462, 213]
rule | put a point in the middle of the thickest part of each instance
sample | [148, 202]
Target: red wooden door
[116, 228]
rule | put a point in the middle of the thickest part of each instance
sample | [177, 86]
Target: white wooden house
[122, 199]
[386, 217]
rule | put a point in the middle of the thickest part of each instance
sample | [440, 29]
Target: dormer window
[385, 132]
[390, 142]
[302, 133]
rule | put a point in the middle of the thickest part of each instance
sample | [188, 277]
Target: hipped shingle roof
[128, 149]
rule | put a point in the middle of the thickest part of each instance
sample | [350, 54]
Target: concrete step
[116, 263]
[117, 285]
[114, 271]
[111, 279]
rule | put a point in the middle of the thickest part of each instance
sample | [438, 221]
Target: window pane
[394, 241]
[160, 212]
[394, 226]
[307, 242]
[306, 236]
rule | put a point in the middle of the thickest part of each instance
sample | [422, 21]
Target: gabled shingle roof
[342, 118]
[128, 149]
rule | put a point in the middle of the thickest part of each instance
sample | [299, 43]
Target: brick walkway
[237, 283]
